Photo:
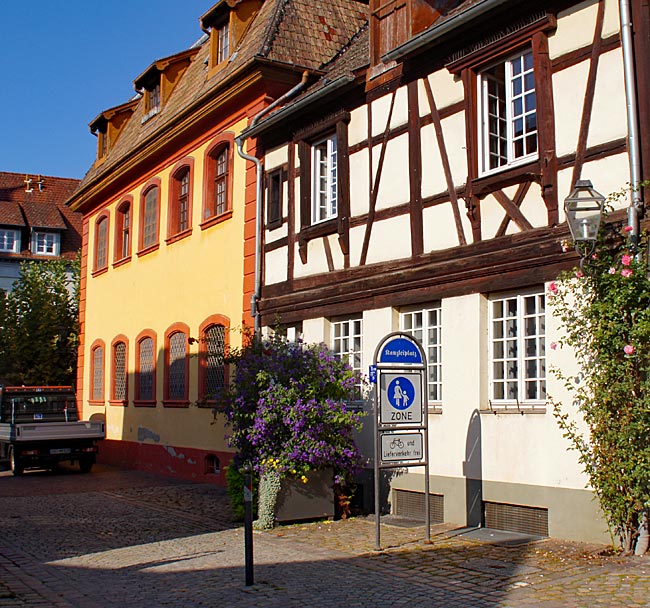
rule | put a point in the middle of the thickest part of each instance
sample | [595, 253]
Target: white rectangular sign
[402, 446]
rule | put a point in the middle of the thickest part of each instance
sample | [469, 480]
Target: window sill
[99, 271]
[321, 229]
[179, 236]
[514, 408]
[506, 177]
[216, 219]
[118, 263]
[149, 249]
[435, 409]
[96, 402]
[143, 403]
[176, 403]
[118, 402]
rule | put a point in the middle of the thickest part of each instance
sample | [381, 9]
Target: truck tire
[86, 464]
[17, 467]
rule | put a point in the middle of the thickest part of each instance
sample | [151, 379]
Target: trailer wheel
[16, 464]
[86, 464]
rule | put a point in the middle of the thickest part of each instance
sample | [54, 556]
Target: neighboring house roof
[295, 35]
[42, 208]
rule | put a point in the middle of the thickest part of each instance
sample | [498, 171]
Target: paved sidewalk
[116, 538]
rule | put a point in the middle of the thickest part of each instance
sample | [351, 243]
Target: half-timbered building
[419, 186]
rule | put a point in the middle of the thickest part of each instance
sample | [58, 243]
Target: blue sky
[63, 62]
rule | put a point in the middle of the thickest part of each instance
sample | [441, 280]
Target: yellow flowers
[271, 463]
[303, 479]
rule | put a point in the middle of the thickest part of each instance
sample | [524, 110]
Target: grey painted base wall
[572, 514]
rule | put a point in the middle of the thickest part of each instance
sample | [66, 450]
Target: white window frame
[223, 41]
[324, 171]
[347, 343]
[9, 234]
[425, 325]
[49, 246]
[517, 322]
[517, 102]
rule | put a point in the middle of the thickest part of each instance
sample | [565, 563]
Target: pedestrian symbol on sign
[401, 393]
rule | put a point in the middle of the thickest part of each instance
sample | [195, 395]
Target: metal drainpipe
[636, 205]
[239, 140]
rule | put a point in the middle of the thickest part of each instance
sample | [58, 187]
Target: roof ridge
[273, 27]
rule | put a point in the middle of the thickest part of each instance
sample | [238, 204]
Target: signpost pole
[248, 526]
[377, 472]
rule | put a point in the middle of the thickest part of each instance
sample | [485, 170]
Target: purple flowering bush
[286, 409]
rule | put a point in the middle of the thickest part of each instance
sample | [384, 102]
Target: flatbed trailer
[39, 427]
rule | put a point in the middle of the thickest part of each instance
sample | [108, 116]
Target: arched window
[101, 242]
[149, 215]
[123, 231]
[176, 365]
[145, 372]
[213, 371]
[119, 388]
[97, 371]
[180, 199]
[218, 179]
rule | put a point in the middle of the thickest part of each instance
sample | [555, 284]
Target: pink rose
[553, 345]
[626, 259]
[579, 274]
[626, 272]
[628, 229]
[612, 270]
[552, 287]
[628, 349]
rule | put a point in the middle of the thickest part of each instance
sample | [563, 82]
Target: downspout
[636, 204]
[239, 140]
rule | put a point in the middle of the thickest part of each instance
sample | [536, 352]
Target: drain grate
[516, 518]
[411, 504]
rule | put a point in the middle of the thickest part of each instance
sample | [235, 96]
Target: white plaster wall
[575, 29]
[433, 177]
[358, 127]
[608, 118]
[359, 188]
[445, 88]
[315, 331]
[492, 214]
[275, 266]
[569, 88]
[357, 235]
[377, 323]
[394, 182]
[440, 227]
[276, 157]
[381, 110]
[277, 233]
[390, 240]
[533, 206]
[316, 257]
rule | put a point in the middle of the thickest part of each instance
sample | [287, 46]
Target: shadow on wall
[473, 472]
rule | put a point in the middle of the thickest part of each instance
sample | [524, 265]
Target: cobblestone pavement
[116, 538]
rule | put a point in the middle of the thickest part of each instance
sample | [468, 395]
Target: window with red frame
[214, 349]
[119, 372]
[123, 231]
[176, 361]
[97, 374]
[180, 204]
[150, 218]
[145, 384]
[101, 243]
[217, 202]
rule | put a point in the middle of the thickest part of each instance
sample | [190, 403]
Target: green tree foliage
[604, 314]
[39, 325]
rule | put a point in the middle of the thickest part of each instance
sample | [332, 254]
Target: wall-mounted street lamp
[584, 210]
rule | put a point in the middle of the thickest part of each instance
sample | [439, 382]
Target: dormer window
[152, 99]
[222, 36]
[109, 124]
[45, 243]
[226, 22]
[9, 240]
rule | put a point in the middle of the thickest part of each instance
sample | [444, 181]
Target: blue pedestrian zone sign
[400, 398]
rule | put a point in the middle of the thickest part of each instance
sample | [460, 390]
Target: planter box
[312, 500]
